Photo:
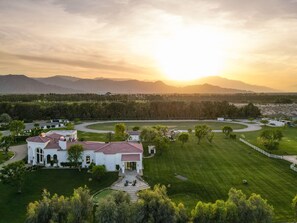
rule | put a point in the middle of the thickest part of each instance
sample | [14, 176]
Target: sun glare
[191, 53]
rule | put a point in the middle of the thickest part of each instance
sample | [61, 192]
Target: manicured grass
[90, 136]
[212, 169]
[101, 195]
[4, 157]
[61, 181]
[287, 146]
[183, 125]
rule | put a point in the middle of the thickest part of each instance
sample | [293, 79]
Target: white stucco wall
[109, 160]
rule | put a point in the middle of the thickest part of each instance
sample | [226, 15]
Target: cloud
[113, 36]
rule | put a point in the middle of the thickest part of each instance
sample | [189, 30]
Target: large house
[50, 149]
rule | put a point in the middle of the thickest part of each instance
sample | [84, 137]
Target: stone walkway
[20, 152]
[131, 190]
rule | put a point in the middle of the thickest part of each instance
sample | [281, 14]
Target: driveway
[83, 127]
[20, 152]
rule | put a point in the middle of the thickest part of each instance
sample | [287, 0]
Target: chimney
[63, 143]
[42, 134]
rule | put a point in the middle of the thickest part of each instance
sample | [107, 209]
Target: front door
[130, 165]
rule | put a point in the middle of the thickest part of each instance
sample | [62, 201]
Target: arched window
[88, 159]
[55, 158]
[39, 155]
[48, 159]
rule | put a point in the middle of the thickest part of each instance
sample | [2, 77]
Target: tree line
[153, 206]
[234, 98]
[128, 110]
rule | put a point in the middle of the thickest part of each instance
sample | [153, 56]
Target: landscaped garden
[287, 146]
[182, 125]
[207, 171]
[13, 205]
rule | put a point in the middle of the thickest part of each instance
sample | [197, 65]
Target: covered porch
[131, 162]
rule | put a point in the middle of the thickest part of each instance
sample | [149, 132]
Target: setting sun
[191, 53]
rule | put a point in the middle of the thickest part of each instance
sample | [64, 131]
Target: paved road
[84, 126]
[20, 152]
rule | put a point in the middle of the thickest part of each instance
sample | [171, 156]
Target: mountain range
[21, 84]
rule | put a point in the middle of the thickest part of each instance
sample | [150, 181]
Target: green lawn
[13, 205]
[288, 145]
[4, 157]
[101, 195]
[213, 169]
[91, 136]
[172, 125]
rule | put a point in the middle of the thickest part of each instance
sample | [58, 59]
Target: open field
[182, 125]
[13, 205]
[288, 145]
[212, 169]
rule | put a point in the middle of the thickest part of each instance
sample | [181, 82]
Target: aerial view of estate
[160, 111]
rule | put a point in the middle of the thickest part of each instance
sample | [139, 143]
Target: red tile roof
[130, 157]
[121, 147]
[52, 145]
[54, 136]
[38, 139]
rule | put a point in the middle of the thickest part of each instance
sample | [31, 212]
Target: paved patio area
[130, 176]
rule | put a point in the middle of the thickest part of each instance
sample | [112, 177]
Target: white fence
[292, 166]
[261, 150]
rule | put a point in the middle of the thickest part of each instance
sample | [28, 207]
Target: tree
[237, 208]
[227, 130]
[98, 171]
[69, 126]
[135, 128]
[115, 208]
[162, 129]
[264, 122]
[14, 174]
[108, 137]
[120, 131]
[155, 206]
[190, 131]
[75, 153]
[5, 118]
[201, 131]
[183, 137]
[161, 143]
[149, 134]
[16, 127]
[270, 139]
[210, 136]
[74, 209]
[5, 143]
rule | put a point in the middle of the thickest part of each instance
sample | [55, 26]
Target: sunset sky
[254, 41]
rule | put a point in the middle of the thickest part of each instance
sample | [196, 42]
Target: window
[39, 156]
[48, 159]
[55, 158]
[88, 159]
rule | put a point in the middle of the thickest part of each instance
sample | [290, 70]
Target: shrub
[70, 164]
[98, 171]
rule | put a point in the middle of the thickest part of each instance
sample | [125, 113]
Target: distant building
[133, 136]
